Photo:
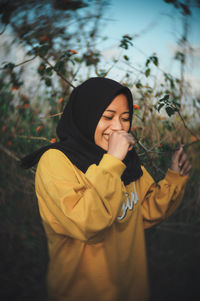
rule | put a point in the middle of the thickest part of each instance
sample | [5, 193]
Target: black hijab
[78, 123]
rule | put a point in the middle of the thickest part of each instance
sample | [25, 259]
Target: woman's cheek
[127, 126]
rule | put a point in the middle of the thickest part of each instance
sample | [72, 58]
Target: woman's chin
[104, 146]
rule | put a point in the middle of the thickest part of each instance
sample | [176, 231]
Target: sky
[156, 27]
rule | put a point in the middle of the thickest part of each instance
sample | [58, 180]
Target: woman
[95, 198]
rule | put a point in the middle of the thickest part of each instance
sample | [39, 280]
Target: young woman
[95, 198]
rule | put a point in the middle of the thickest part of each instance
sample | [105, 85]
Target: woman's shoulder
[54, 161]
[52, 154]
[146, 176]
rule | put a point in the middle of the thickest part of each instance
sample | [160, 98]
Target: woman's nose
[116, 124]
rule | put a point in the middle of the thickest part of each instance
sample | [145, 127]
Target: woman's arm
[75, 204]
[161, 199]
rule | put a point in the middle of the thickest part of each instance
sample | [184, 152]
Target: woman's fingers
[182, 159]
[120, 142]
[176, 159]
[185, 168]
[180, 162]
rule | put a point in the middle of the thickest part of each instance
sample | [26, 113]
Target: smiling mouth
[106, 137]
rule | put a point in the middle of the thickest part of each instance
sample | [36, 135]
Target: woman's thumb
[178, 153]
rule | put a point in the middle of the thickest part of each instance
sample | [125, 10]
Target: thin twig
[47, 61]
[60, 74]
[50, 116]
[22, 63]
[33, 138]
[185, 125]
[29, 60]
[13, 156]
[146, 153]
[170, 150]
[8, 152]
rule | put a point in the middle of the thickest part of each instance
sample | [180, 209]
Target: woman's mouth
[106, 137]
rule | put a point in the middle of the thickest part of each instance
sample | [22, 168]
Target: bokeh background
[49, 47]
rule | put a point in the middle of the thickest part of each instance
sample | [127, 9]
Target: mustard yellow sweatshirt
[95, 227]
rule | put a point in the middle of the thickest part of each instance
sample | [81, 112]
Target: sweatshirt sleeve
[162, 198]
[76, 204]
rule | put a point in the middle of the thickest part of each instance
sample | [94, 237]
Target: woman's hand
[180, 162]
[120, 142]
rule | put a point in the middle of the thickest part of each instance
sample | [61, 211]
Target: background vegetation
[58, 44]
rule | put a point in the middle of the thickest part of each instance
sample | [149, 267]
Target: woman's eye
[125, 119]
[108, 117]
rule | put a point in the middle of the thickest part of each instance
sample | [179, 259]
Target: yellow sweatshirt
[95, 227]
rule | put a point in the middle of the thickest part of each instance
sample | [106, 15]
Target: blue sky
[157, 27]
[155, 20]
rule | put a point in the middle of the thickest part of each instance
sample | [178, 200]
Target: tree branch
[13, 156]
[29, 60]
[33, 138]
[50, 116]
[185, 125]
[59, 74]
[156, 168]
[9, 153]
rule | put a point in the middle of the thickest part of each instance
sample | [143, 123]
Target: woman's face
[116, 117]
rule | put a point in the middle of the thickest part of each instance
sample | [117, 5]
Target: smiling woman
[114, 120]
[95, 198]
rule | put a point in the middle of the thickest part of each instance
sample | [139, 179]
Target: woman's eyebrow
[112, 111]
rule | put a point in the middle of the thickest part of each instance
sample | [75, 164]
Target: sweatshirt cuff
[175, 178]
[111, 163]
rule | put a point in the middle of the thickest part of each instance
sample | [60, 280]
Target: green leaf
[48, 81]
[78, 59]
[172, 83]
[147, 72]
[9, 66]
[160, 106]
[42, 69]
[138, 85]
[147, 62]
[180, 56]
[170, 111]
[126, 57]
[164, 99]
[60, 67]
[49, 71]
[43, 50]
[126, 42]
[154, 60]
